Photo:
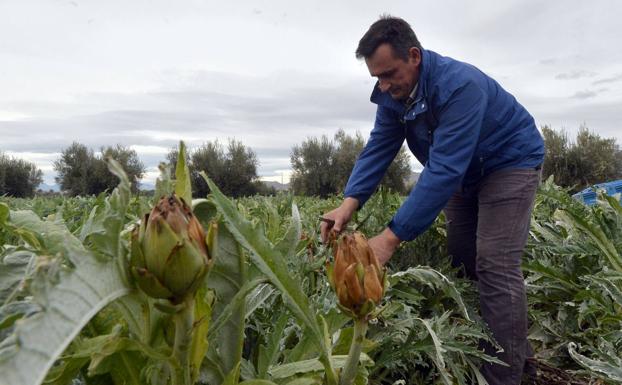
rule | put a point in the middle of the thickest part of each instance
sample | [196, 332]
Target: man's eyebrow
[385, 73]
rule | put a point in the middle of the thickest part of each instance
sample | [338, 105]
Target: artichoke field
[122, 289]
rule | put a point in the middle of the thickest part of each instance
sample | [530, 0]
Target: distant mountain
[277, 186]
[47, 187]
[146, 186]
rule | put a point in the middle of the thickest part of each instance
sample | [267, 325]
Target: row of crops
[71, 311]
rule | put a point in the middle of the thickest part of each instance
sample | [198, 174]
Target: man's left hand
[384, 245]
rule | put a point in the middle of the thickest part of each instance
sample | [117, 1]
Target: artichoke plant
[169, 251]
[359, 281]
[356, 275]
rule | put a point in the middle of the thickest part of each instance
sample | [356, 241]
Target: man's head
[392, 54]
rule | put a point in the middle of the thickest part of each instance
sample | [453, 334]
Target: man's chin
[398, 97]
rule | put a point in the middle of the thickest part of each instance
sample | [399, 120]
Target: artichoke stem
[184, 320]
[331, 377]
[350, 369]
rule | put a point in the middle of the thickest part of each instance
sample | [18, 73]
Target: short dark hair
[391, 30]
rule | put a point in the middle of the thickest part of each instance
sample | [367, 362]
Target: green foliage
[266, 314]
[321, 167]
[575, 281]
[61, 295]
[18, 178]
[271, 262]
[421, 303]
[81, 172]
[578, 164]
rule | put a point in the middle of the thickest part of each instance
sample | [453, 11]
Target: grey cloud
[549, 61]
[586, 94]
[611, 79]
[575, 75]
[564, 60]
[270, 123]
[603, 118]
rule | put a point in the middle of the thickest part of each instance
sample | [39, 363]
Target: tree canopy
[18, 177]
[321, 167]
[233, 168]
[588, 160]
[81, 172]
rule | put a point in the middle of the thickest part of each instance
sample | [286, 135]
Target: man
[481, 153]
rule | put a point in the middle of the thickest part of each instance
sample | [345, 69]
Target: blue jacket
[462, 127]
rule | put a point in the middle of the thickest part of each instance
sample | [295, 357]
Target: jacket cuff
[402, 233]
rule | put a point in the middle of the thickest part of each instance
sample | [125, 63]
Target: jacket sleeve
[454, 144]
[384, 142]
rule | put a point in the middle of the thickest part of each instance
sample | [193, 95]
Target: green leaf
[202, 315]
[183, 188]
[438, 345]
[13, 267]
[13, 311]
[268, 354]
[270, 261]
[342, 346]
[610, 371]
[102, 348]
[312, 365]
[233, 306]
[537, 266]
[257, 382]
[257, 297]
[108, 224]
[227, 279]
[64, 372]
[475, 370]
[287, 245]
[71, 287]
[4, 213]
[233, 376]
[595, 233]
[306, 348]
[606, 283]
[306, 380]
[434, 279]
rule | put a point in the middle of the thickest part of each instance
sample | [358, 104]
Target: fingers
[336, 220]
[327, 225]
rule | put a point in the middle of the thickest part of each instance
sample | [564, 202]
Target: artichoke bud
[356, 275]
[360, 271]
[169, 251]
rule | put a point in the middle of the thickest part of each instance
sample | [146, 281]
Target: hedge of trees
[321, 166]
[18, 177]
[587, 160]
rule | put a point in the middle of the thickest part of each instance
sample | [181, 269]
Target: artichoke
[169, 251]
[356, 275]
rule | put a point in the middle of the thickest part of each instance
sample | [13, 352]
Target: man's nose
[384, 85]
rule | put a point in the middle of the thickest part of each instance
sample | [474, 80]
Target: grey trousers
[487, 228]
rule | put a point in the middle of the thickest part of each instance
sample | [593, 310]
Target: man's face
[395, 76]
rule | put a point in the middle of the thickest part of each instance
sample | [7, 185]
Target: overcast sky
[146, 74]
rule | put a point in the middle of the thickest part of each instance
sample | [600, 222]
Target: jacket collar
[384, 98]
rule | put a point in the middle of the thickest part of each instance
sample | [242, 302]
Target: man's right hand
[341, 215]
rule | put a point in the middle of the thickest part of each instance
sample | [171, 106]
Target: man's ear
[414, 53]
